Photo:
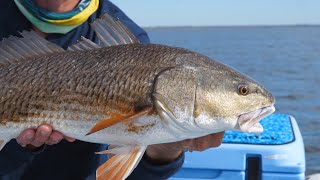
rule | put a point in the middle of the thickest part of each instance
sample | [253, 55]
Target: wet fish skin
[89, 82]
[87, 85]
[130, 95]
[208, 91]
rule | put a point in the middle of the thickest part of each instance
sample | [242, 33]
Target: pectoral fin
[117, 117]
[120, 166]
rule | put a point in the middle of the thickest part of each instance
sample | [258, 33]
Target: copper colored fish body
[126, 94]
[75, 87]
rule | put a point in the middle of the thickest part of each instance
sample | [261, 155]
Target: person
[44, 153]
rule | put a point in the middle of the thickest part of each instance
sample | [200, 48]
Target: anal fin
[120, 166]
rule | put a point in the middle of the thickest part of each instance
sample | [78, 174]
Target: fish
[123, 92]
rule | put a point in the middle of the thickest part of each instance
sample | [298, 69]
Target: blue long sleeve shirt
[67, 161]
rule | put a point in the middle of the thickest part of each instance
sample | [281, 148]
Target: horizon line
[210, 26]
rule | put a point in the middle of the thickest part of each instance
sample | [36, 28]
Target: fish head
[227, 99]
[202, 96]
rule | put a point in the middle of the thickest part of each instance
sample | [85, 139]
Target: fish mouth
[249, 122]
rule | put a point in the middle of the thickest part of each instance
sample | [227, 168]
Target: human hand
[44, 134]
[168, 152]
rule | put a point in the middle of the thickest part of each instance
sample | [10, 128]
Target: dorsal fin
[17, 49]
[83, 44]
[111, 31]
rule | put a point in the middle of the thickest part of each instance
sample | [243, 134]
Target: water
[286, 60]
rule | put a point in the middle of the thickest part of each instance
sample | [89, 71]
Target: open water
[285, 59]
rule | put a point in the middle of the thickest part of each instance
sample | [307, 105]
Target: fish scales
[129, 95]
[87, 82]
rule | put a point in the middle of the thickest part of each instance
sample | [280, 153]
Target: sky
[221, 12]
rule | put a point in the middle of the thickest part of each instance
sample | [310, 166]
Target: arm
[13, 156]
[148, 169]
[163, 160]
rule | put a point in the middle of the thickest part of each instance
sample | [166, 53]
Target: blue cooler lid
[280, 149]
[277, 130]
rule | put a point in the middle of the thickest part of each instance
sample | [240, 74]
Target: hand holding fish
[44, 134]
[168, 152]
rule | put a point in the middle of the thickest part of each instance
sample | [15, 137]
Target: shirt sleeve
[85, 30]
[147, 170]
[12, 20]
[13, 156]
[114, 11]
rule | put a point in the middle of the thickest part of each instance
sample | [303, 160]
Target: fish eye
[243, 89]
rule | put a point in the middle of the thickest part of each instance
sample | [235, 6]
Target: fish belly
[144, 131]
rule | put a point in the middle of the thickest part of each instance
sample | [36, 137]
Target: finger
[42, 135]
[26, 137]
[55, 138]
[209, 141]
[69, 139]
[202, 143]
[187, 145]
[217, 139]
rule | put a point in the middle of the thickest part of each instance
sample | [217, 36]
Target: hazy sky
[221, 12]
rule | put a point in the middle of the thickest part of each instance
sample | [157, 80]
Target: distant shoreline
[229, 26]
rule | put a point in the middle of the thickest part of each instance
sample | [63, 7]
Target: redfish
[123, 93]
